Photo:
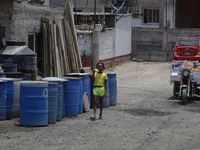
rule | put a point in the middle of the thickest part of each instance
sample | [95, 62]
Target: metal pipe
[94, 14]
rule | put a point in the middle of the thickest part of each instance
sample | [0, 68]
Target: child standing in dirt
[99, 78]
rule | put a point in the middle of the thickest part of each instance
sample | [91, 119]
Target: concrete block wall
[85, 42]
[5, 16]
[147, 44]
[106, 42]
[107, 53]
[157, 44]
[27, 19]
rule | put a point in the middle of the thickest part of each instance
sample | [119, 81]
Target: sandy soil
[146, 117]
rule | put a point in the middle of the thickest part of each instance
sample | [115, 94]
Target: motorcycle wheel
[175, 90]
[184, 96]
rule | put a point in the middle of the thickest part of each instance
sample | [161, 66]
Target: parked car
[186, 49]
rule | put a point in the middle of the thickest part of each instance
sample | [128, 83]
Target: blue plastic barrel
[33, 103]
[52, 102]
[3, 99]
[9, 103]
[25, 77]
[71, 96]
[16, 97]
[87, 85]
[80, 106]
[112, 88]
[2, 75]
[84, 87]
[60, 103]
[8, 67]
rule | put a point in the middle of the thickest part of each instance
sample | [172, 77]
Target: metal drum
[112, 88]
[71, 96]
[33, 103]
[3, 99]
[52, 102]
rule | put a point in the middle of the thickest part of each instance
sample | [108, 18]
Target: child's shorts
[99, 91]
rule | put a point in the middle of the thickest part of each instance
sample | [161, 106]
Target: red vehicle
[186, 49]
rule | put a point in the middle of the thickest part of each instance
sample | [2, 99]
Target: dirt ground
[146, 117]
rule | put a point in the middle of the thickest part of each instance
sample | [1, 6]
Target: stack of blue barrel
[39, 103]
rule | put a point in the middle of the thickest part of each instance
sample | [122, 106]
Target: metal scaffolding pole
[94, 14]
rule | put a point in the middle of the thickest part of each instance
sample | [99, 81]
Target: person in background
[99, 79]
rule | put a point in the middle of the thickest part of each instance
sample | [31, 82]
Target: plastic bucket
[3, 99]
[112, 88]
[71, 96]
[52, 102]
[33, 103]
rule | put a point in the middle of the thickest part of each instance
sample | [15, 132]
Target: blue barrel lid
[14, 79]
[2, 81]
[111, 74]
[77, 75]
[71, 78]
[7, 79]
[54, 79]
[33, 83]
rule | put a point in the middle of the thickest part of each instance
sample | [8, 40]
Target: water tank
[17, 52]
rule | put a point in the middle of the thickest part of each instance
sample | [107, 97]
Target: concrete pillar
[162, 13]
[46, 2]
[95, 48]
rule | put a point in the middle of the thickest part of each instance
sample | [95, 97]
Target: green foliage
[83, 53]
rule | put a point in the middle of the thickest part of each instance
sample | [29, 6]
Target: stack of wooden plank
[60, 46]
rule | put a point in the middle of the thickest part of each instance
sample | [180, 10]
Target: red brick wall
[116, 60]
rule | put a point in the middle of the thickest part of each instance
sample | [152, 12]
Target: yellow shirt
[99, 78]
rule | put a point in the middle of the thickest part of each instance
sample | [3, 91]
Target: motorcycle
[185, 76]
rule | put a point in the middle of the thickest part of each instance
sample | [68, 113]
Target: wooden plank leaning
[70, 47]
[59, 43]
[69, 16]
